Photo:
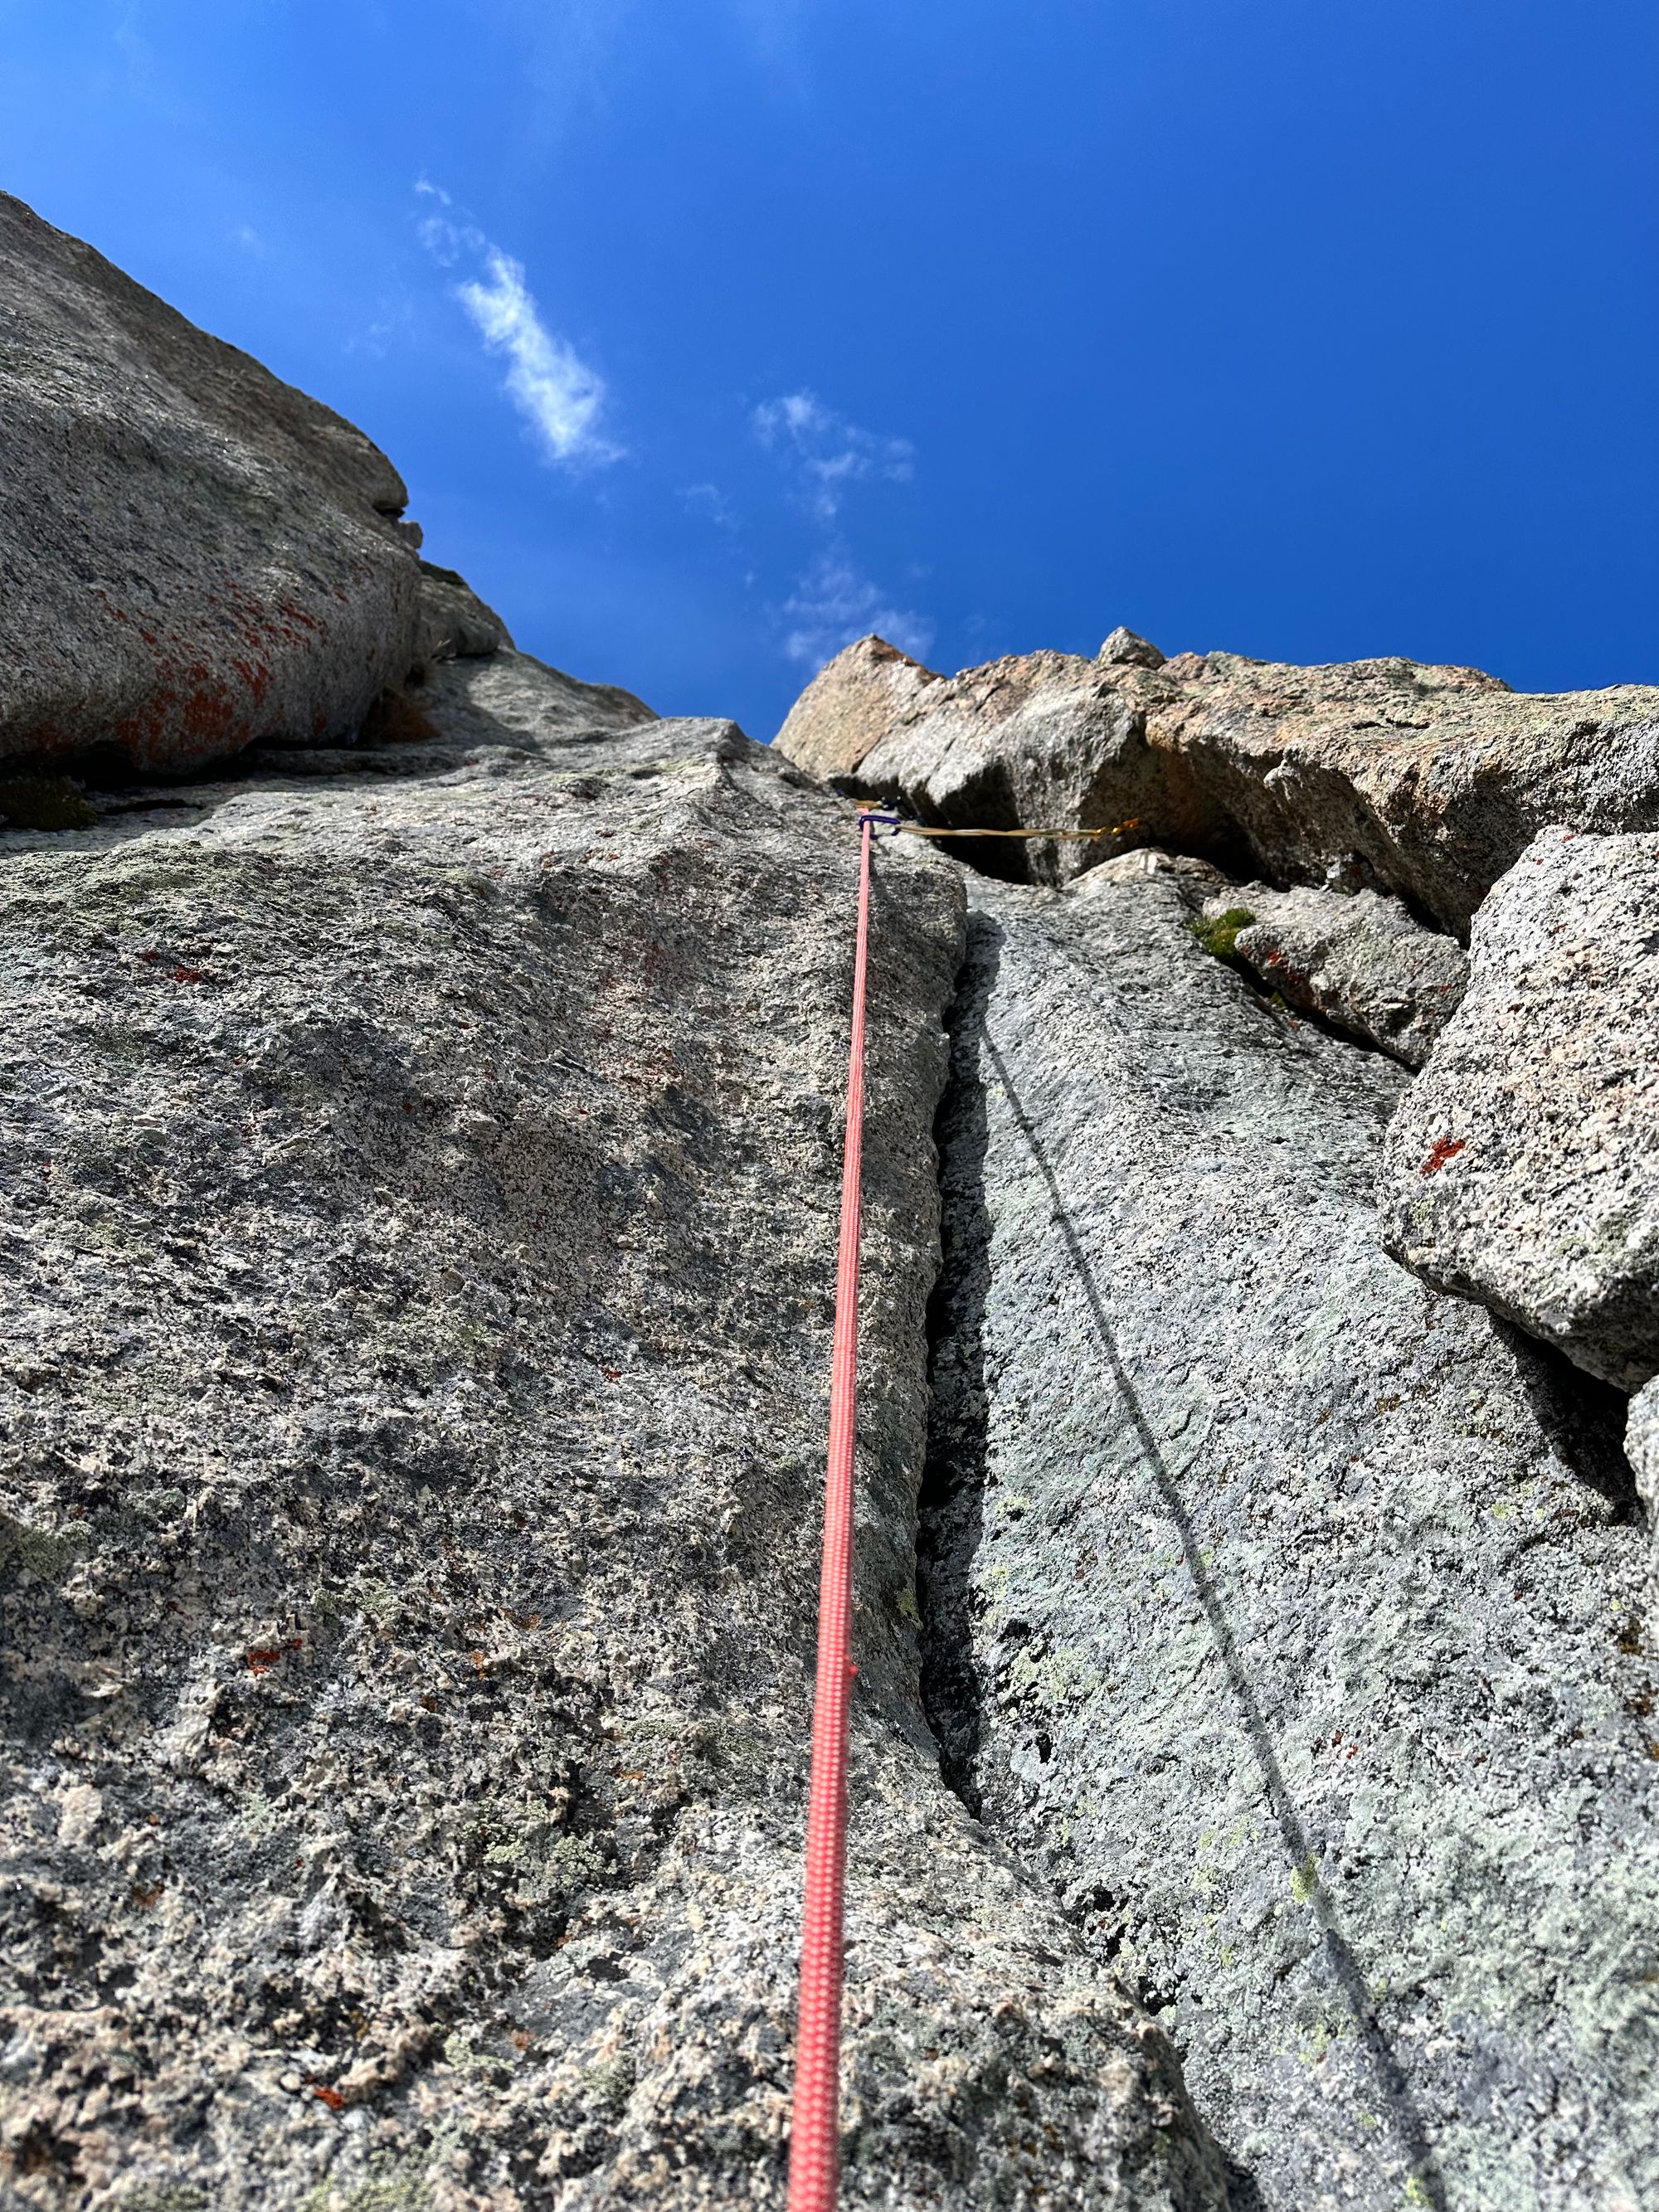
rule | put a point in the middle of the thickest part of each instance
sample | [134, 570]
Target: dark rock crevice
[951, 1505]
[1582, 1417]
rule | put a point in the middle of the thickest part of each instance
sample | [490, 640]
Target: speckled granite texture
[418, 1183]
[1288, 1611]
[1522, 1167]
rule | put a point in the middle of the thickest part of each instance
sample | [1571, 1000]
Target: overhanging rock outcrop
[1290, 1612]
[418, 1197]
[193, 555]
[1434, 777]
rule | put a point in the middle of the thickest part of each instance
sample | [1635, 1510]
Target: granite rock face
[496, 714]
[192, 553]
[1428, 781]
[511, 699]
[1288, 1611]
[849, 704]
[418, 1187]
[1356, 959]
[418, 1192]
[1523, 1168]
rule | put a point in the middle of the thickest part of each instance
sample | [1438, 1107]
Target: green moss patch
[1220, 936]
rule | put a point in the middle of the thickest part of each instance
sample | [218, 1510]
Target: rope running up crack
[815, 2132]
[815, 2128]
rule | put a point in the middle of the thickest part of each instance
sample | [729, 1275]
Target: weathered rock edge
[1435, 778]
[419, 1206]
[454, 623]
[192, 553]
[1522, 1166]
[851, 707]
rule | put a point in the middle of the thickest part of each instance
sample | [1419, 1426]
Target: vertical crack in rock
[951, 1497]
[951, 1504]
[1284, 1617]
[951, 1517]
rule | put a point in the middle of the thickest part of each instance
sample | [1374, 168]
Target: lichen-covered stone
[418, 1203]
[1126, 648]
[849, 704]
[1290, 1613]
[1522, 1167]
[192, 553]
[1358, 959]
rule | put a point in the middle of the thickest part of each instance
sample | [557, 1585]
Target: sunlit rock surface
[1433, 778]
[849, 704]
[418, 1188]
[1288, 1613]
[1356, 959]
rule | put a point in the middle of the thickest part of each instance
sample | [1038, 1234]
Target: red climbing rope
[815, 2136]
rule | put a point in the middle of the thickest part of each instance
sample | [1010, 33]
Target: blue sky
[710, 333]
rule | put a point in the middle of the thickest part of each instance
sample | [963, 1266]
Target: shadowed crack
[952, 1504]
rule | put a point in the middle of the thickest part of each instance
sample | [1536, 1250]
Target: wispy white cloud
[389, 321]
[578, 59]
[445, 240]
[559, 62]
[829, 452]
[709, 501]
[557, 394]
[561, 397]
[833, 604]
